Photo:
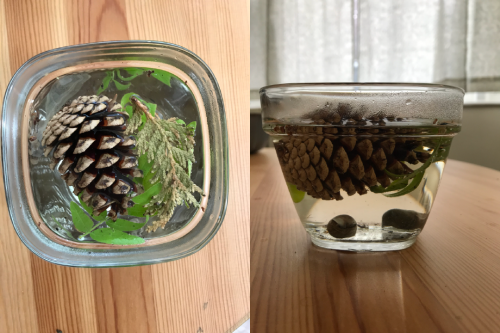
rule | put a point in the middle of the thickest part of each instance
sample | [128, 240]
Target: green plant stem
[95, 227]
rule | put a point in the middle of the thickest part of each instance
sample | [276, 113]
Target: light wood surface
[449, 281]
[206, 292]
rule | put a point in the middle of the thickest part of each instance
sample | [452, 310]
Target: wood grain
[447, 282]
[206, 292]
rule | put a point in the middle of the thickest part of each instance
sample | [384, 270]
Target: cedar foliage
[170, 145]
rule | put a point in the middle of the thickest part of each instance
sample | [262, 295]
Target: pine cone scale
[77, 121]
[83, 144]
[87, 178]
[104, 181]
[61, 149]
[89, 125]
[59, 130]
[106, 160]
[108, 142]
[67, 162]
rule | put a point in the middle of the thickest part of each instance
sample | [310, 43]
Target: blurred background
[454, 42]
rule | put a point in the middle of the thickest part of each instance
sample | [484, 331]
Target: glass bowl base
[359, 245]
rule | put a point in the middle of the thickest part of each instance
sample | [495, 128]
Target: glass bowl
[362, 161]
[37, 197]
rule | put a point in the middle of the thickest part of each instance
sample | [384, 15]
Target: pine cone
[87, 135]
[322, 166]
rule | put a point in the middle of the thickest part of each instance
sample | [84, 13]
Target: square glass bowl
[362, 161]
[35, 193]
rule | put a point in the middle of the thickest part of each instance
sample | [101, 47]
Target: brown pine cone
[323, 160]
[322, 166]
[86, 139]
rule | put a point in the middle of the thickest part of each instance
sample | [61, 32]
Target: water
[390, 220]
[52, 195]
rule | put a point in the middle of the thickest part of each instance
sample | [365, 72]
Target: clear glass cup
[362, 161]
[35, 193]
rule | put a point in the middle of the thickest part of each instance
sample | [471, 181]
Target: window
[453, 42]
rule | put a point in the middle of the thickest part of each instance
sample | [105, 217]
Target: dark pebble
[342, 226]
[404, 219]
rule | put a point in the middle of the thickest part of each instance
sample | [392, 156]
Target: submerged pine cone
[88, 137]
[323, 160]
[322, 166]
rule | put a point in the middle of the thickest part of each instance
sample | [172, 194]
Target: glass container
[37, 197]
[362, 161]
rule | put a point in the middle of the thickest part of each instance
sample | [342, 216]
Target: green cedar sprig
[168, 145]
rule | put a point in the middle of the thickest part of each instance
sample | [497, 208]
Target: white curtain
[443, 41]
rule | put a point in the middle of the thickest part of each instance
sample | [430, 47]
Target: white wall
[479, 140]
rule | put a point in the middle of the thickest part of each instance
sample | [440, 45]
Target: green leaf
[82, 221]
[130, 78]
[129, 109]
[162, 76]
[145, 198]
[146, 183]
[297, 195]
[144, 165]
[151, 107]
[192, 127]
[89, 210]
[105, 82]
[134, 71]
[111, 236]
[124, 225]
[413, 185]
[126, 99]
[136, 210]
[101, 217]
[143, 122]
[394, 186]
[180, 121]
[120, 86]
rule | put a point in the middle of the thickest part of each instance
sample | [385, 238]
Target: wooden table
[448, 281]
[206, 292]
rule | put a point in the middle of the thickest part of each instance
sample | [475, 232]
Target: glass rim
[391, 85]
